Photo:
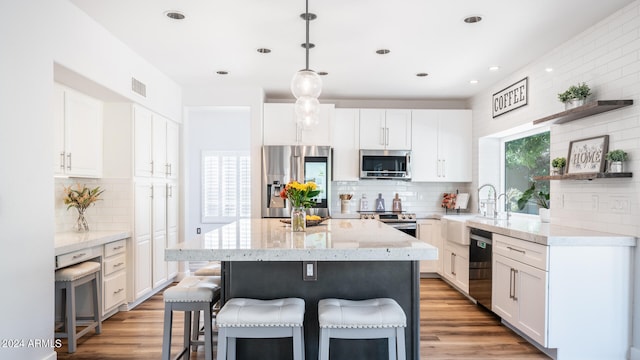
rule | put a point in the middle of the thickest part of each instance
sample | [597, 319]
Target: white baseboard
[634, 353]
[52, 356]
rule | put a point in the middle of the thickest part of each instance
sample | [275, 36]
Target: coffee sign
[510, 98]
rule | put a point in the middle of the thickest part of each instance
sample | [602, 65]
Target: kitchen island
[340, 258]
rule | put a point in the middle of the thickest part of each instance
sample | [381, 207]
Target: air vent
[138, 87]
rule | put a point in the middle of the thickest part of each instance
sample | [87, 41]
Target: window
[525, 157]
[226, 186]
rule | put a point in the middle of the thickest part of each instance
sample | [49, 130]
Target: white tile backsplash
[113, 212]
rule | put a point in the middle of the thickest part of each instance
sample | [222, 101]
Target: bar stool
[191, 295]
[364, 319]
[251, 318]
[67, 280]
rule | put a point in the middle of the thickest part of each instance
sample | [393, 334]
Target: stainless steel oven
[404, 222]
[480, 254]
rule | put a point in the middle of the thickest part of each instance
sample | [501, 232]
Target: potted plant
[615, 159]
[575, 96]
[558, 165]
[541, 199]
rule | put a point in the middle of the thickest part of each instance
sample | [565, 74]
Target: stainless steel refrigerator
[281, 164]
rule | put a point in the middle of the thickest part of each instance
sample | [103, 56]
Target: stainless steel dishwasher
[480, 250]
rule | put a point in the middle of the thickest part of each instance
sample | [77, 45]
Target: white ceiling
[423, 36]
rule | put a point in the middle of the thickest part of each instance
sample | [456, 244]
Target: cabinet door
[531, 292]
[462, 270]
[159, 145]
[279, 126]
[142, 134]
[346, 145]
[372, 129]
[454, 145]
[173, 149]
[159, 225]
[58, 130]
[502, 291]
[429, 232]
[83, 135]
[172, 225]
[424, 141]
[142, 240]
[398, 128]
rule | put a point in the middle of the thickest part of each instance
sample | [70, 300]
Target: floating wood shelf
[585, 176]
[588, 109]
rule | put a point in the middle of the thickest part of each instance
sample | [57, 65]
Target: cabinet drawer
[114, 264]
[75, 257]
[116, 247]
[115, 290]
[526, 252]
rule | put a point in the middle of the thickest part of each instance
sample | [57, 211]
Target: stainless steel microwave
[385, 164]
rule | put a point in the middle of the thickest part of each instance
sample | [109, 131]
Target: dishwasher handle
[480, 238]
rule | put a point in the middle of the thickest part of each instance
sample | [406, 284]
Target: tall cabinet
[153, 167]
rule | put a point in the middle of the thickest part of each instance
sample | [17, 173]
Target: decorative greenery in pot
[558, 165]
[541, 198]
[575, 95]
[615, 159]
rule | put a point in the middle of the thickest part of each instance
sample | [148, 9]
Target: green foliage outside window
[525, 158]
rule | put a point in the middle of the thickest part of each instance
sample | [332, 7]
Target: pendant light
[306, 84]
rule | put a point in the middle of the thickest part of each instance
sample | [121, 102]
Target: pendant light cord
[307, 45]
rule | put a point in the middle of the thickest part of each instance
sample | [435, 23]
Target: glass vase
[298, 219]
[81, 224]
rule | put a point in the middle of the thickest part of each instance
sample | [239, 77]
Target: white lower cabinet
[455, 259]
[114, 275]
[429, 232]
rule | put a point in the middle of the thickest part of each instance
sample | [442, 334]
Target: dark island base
[355, 280]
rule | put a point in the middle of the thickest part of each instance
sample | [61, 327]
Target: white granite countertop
[67, 242]
[532, 229]
[332, 240]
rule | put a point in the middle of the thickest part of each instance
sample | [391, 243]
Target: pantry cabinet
[172, 225]
[345, 139]
[281, 128]
[388, 129]
[143, 204]
[156, 141]
[441, 145]
[77, 134]
[429, 232]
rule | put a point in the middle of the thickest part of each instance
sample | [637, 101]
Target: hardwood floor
[451, 327]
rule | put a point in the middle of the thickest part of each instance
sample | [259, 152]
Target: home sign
[510, 98]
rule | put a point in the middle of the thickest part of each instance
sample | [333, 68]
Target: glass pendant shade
[307, 110]
[306, 83]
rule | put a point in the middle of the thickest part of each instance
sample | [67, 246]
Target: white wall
[210, 128]
[607, 58]
[26, 183]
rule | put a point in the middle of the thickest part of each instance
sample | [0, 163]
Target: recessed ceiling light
[383, 51]
[473, 81]
[174, 14]
[323, 73]
[548, 69]
[222, 72]
[473, 19]
[494, 68]
[421, 74]
[264, 50]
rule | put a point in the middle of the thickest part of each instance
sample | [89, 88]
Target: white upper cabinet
[346, 145]
[77, 134]
[156, 145]
[385, 129]
[441, 145]
[280, 126]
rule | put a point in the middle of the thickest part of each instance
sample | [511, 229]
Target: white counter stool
[251, 318]
[191, 295]
[67, 280]
[364, 319]
[211, 269]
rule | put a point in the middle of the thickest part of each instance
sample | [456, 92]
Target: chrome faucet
[507, 201]
[495, 199]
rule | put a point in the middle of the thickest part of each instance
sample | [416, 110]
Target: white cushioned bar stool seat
[191, 295]
[252, 318]
[363, 319]
[67, 280]
[211, 269]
